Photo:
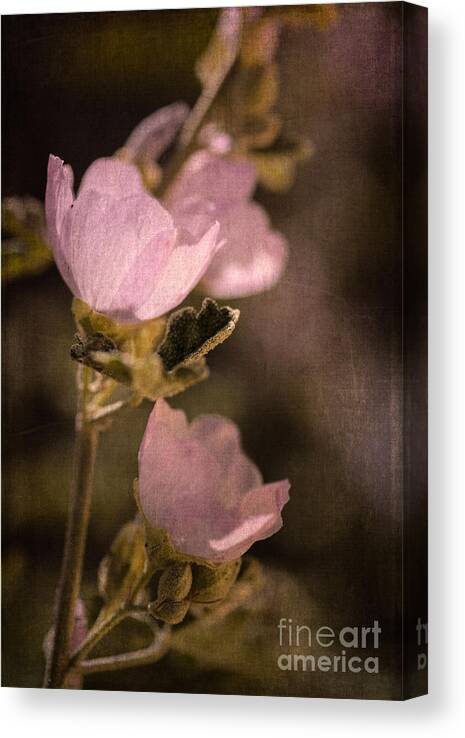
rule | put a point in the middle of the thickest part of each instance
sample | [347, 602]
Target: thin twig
[197, 116]
[75, 541]
[142, 656]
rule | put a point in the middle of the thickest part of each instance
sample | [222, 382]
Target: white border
[78, 715]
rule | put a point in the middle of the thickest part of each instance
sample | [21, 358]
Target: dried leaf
[190, 335]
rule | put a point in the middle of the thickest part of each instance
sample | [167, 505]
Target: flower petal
[186, 266]
[259, 517]
[223, 438]
[178, 479]
[189, 487]
[105, 237]
[253, 257]
[58, 202]
[224, 182]
[153, 134]
[113, 177]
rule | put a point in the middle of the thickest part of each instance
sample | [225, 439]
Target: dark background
[313, 374]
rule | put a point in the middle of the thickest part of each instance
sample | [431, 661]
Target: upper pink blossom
[253, 256]
[196, 483]
[117, 247]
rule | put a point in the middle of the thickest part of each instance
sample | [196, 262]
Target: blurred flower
[254, 256]
[150, 139]
[196, 483]
[117, 248]
[152, 136]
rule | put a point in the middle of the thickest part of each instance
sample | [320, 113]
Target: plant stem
[75, 541]
[99, 631]
[195, 120]
[143, 656]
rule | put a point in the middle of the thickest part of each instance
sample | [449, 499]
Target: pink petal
[153, 134]
[253, 257]
[141, 278]
[194, 483]
[178, 478]
[223, 438]
[58, 201]
[185, 267]
[259, 517]
[222, 181]
[113, 177]
[104, 238]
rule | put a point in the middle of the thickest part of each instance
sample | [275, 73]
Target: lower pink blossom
[196, 483]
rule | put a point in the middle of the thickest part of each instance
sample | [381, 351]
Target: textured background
[312, 375]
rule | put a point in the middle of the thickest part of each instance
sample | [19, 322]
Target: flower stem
[75, 541]
[192, 125]
[142, 657]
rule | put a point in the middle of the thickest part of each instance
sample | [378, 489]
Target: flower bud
[170, 612]
[211, 585]
[175, 583]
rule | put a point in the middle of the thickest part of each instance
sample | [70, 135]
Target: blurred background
[312, 374]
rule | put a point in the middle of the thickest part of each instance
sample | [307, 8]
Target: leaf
[123, 565]
[190, 335]
[136, 355]
[276, 165]
[150, 379]
[146, 376]
[244, 107]
[25, 250]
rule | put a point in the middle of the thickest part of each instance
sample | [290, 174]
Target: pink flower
[196, 483]
[253, 256]
[117, 247]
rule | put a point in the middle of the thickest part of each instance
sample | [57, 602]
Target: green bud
[175, 582]
[170, 612]
[212, 585]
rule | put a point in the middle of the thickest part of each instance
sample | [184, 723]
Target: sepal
[158, 358]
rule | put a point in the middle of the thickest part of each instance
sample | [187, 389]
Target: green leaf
[136, 338]
[121, 568]
[190, 335]
[25, 250]
[156, 358]
[276, 165]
